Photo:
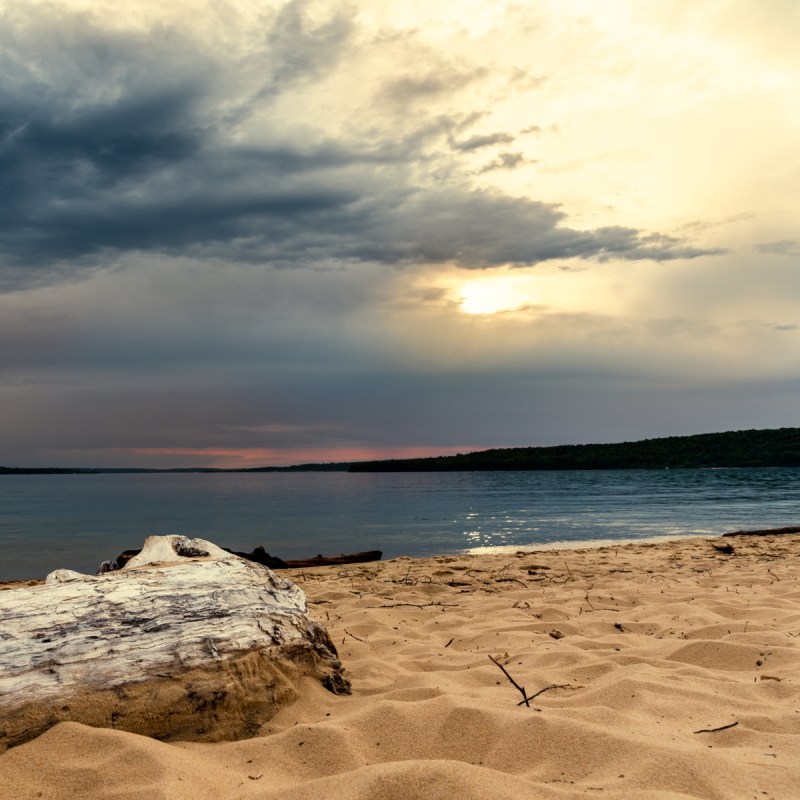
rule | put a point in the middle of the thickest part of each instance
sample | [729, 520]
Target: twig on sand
[714, 730]
[357, 638]
[511, 580]
[408, 579]
[526, 698]
[569, 570]
[520, 689]
[547, 689]
[416, 605]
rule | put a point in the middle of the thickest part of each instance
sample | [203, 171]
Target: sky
[243, 233]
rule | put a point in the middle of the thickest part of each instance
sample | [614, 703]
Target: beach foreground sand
[667, 670]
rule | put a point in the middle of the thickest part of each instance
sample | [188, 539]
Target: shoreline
[585, 544]
[508, 550]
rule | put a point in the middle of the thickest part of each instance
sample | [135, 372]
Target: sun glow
[495, 295]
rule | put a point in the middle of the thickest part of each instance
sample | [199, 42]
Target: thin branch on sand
[526, 698]
[416, 605]
[511, 580]
[547, 689]
[519, 688]
[714, 730]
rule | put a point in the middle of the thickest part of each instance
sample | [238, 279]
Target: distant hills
[752, 448]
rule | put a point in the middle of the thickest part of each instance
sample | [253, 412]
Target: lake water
[77, 521]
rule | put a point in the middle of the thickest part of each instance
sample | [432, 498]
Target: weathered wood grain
[186, 630]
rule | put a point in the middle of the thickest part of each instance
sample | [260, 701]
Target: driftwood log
[765, 532]
[261, 556]
[186, 642]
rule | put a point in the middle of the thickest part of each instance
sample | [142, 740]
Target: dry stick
[546, 689]
[714, 730]
[569, 570]
[354, 636]
[521, 689]
[511, 580]
[416, 605]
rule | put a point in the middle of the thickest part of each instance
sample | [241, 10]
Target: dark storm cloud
[124, 145]
[482, 229]
[120, 140]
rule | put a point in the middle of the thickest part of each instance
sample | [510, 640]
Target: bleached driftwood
[187, 641]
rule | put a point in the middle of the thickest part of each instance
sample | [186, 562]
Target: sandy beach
[667, 671]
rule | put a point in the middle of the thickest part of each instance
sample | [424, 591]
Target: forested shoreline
[750, 448]
[777, 447]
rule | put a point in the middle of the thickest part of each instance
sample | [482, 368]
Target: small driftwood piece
[716, 730]
[261, 556]
[765, 532]
[186, 642]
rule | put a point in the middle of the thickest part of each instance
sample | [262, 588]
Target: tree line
[750, 448]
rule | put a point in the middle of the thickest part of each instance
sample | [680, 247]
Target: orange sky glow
[244, 458]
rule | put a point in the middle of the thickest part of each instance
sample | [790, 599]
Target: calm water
[77, 521]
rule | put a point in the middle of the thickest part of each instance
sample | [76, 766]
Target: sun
[494, 295]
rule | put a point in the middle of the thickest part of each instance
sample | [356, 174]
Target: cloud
[479, 141]
[783, 247]
[122, 139]
[165, 140]
[479, 229]
[506, 161]
[444, 79]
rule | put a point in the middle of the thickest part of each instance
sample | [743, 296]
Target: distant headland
[751, 448]
[776, 447]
